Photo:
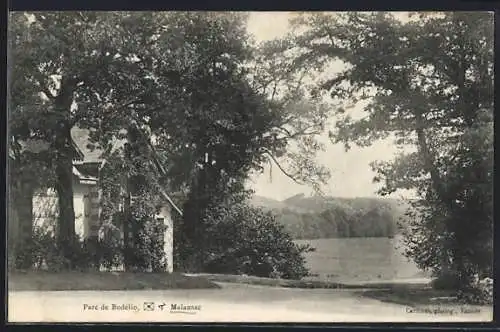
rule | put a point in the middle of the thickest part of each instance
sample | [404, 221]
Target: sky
[351, 174]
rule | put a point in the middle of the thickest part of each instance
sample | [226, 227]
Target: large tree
[427, 81]
[226, 124]
[79, 69]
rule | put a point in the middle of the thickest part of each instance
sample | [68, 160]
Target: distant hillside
[322, 217]
[275, 205]
[267, 203]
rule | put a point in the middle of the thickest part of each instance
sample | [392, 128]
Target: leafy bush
[244, 240]
[446, 281]
[145, 241]
[480, 292]
[105, 251]
[43, 252]
[110, 246]
[147, 252]
[39, 250]
[485, 287]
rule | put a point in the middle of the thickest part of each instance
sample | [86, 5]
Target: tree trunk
[129, 229]
[457, 266]
[194, 209]
[202, 195]
[66, 235]
[64, 187]
[23, 204]
[126, 225]
[429, 164]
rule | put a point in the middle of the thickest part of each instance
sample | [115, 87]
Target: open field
[360, 260]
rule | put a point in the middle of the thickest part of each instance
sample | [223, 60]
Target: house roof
[82, 140]
[94, 155]
[88, 154]
[39, 146]
[83, 177]
[91, 152]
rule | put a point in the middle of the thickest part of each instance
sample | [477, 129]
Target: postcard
[274, 167]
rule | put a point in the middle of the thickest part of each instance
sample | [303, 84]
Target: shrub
[480, 292]
[110, 246]
[147, 253]
[245, 240]
[106, 250]
[39, 250]
[485, 287]
[446, 281]
[43, 252]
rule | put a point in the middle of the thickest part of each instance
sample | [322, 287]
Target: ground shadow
[415, 294]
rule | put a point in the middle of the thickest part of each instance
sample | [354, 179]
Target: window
[86, 206]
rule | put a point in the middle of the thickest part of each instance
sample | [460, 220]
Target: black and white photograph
[245, 166]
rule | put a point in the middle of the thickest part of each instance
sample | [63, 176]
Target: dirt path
[232, 303]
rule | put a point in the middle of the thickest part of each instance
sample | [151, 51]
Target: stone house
[41, 205]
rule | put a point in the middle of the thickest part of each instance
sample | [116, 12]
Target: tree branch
[109, 111]
[281, 168]
[299, 133]
[274, 90]
[38, 77]
[155, 161]
[328, 85]
[285, 130]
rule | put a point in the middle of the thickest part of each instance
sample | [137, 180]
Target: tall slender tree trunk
[23, 201]
[64, 187]
[126, 227]
[129, 226]
[66, 235]
[127, 208]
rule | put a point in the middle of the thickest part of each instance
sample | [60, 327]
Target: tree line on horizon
[340, 218]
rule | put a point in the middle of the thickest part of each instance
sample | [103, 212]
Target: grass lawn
[50, 281]
[359, 260]
[406, 294]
